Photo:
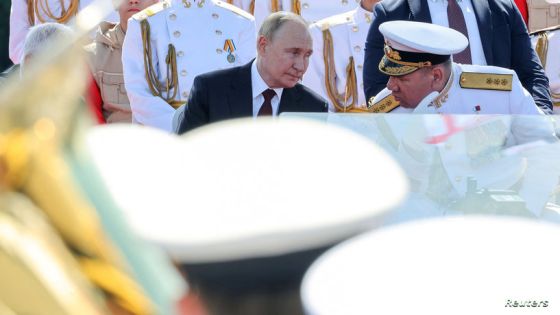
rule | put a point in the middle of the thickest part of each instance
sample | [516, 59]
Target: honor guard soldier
[26, 13]
[170, 43]
[423, 79]
[336, 74]
[311, 10]
[547, 45]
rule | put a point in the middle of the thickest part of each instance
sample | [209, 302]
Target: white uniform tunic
[198, 34]
[349, 31]
[19, 21]
[551, 63]
[459, 100]
[311, 10]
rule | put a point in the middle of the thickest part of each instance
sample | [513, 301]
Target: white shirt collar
[258, 83]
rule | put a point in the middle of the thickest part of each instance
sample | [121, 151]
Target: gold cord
[172, 81]
[350, 91]
[296, 7]
[542, 47]
[35, 7]
[252, 7]
[273, 6]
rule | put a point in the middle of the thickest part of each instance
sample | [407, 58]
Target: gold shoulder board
[151, 10]
[385, 105]
[486, 81]
[332, 21]
[234, 9]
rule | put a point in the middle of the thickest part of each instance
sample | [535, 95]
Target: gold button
[219, 51]
[354, 28]
[180, 53]
[215, 15]
[218, 32]
[184, 73]
[357, 48]
[185, 94]
[172, 17]
[306, 5]
[177, 34]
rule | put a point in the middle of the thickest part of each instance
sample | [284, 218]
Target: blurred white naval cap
[454, 265]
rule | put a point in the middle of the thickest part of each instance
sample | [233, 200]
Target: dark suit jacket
[504, 37]
[226, 94]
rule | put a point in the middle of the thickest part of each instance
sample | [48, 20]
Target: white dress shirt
[438, 12]
[258, 86]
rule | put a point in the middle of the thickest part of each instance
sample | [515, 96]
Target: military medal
[229, 46]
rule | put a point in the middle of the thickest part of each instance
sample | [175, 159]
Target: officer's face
[285, 58]
[410, 89]
[130, 7]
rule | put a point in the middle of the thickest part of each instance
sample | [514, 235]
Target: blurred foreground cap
[460, 265]
[233, 197]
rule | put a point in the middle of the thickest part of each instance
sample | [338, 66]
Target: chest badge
[229, 46]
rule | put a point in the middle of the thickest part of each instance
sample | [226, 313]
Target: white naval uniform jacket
[474, 149]
[198, 35]
[311, 10]
[349, 31]
[19, 21]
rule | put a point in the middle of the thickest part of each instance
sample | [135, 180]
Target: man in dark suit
[268, 85]
[496, 32]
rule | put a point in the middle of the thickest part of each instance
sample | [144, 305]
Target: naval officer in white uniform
[170, 43]
[335, 69]
[423, 78]
[450, 149]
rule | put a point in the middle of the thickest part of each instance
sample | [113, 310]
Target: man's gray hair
[274, 22]
[40, 36]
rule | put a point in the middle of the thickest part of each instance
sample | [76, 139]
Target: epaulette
[234, 9]
[151, 10]
[335, 20]
[548, 29]
[486, 81]
[385, 105]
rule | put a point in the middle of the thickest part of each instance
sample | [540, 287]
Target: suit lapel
[420, 10]
[290, 101]
[484, 21]
[240, 96]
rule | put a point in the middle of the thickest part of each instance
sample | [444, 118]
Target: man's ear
[262, 43]
[438, 75]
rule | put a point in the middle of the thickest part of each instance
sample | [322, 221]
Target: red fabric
[93, 99]
[522, 6]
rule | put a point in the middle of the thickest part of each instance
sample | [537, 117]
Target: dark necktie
[457, 22]
[266, 108]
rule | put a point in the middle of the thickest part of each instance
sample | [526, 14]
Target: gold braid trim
[172, 80]
[351, 91]
[542, 47]
[274, 6]
[39, 6]
[296, 7]
[230, 1]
